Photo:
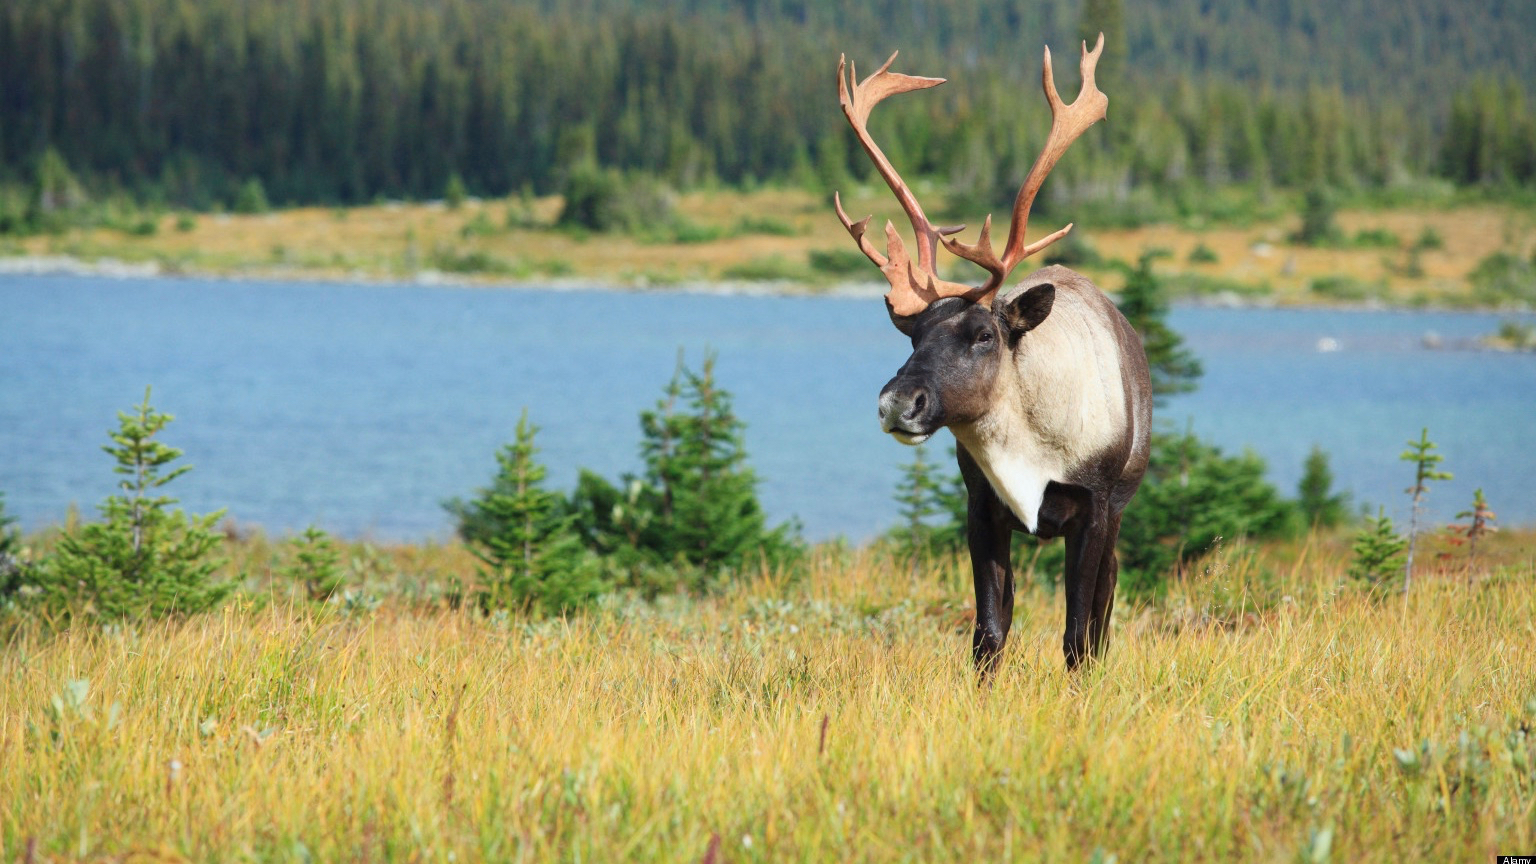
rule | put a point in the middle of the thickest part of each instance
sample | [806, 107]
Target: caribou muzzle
[908, 410]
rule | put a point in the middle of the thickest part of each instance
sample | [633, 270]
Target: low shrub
[1374, 238]
[472, 261]
[1192, 496]
[251, 198]
[603, 199]
[1378, 552]
[681, 230]
[1346, 288]
[479, 226]
[1504, 279]
[1073, 250]
[1203, 254]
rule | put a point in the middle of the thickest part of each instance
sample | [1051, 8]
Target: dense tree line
[347, 100]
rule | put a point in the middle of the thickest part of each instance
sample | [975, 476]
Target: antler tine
[913, 284]
[980, 253]
[1068, 122]
[857, 229]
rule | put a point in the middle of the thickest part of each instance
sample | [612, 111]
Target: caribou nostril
[919, 404]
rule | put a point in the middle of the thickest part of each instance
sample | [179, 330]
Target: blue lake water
[361, 407]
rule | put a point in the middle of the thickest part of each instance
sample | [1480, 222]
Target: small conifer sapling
[1315, 497]
[1481, 525]
[1421, 454]
[1377, 550]
[10, 542]
[144, 558]
[314, 564]
[532, 557]
[918, 496]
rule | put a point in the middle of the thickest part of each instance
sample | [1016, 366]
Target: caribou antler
[915, 285]
[1067, 123]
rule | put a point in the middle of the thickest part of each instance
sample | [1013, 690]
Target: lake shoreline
[115, 268]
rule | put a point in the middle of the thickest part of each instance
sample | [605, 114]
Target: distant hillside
[1399, 48]
[188, 101]
[1417, 49]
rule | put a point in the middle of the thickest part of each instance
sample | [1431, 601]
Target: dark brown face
[957, 349]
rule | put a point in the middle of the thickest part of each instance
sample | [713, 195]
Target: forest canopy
[341, 101]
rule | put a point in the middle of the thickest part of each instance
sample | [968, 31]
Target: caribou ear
[905, 323]
[1025, 312]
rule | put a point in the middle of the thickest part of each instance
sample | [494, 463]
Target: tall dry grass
[1263, 712]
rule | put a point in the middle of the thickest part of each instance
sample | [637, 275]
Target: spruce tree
[1481, 526]
[314, 564]
[251, 198]
[454, 192]
[703, 494]
[1143, 303]
[1319, 506]
[1318, 227]
[1424, 460]
[1192, 496]
[10, 541]
[10, 545]
[531, 554]
[918, 495]
[144, 559]
[1377, 549]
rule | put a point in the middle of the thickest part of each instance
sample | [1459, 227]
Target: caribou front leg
[988, 532]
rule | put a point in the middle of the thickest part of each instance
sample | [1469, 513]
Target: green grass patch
[1346, 289]
[768, 225]
[1204, 285]
[841, 262]
[770, 268]
[474, 261]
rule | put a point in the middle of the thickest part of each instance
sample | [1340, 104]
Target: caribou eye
[983, 337]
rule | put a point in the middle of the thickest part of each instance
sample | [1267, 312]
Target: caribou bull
[1044, 385]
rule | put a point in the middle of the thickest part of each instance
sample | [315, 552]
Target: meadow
[788, 240]
[1265, 709]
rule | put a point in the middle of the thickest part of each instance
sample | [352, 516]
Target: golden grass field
[1265, 711]
[408, 241]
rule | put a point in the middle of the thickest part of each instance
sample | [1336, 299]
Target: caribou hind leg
[1104, 592]
[1087, 542]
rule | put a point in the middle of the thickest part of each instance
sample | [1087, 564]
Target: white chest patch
[1018, 479]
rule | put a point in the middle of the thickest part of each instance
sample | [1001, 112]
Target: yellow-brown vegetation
[1264, 711]
[401, 241]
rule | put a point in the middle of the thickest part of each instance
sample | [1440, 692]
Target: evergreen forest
[186, 102]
